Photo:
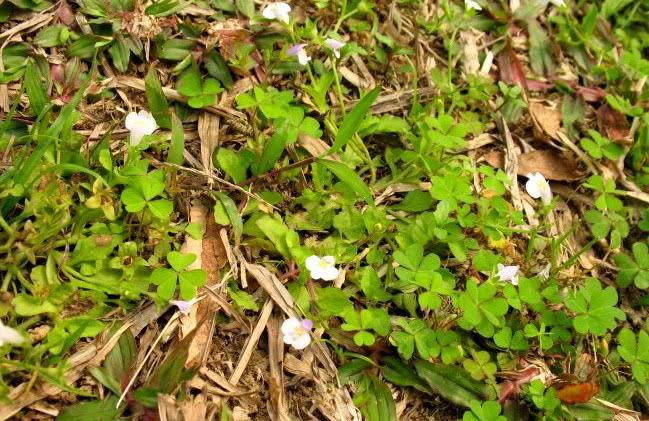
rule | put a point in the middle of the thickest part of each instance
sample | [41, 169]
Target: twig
[217, 178]
[274, 173]
[252, 342]
[146, 357]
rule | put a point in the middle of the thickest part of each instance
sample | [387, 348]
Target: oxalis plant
[420, 267]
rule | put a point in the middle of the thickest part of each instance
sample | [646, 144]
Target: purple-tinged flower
[297, 332]
[335, 46]
[298, 51]
[185, 307]
[508, 273]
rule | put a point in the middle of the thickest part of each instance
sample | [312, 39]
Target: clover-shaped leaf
[480, 366]
[488, 411]
[634, 269]
[635, 352]
[417, 268]
[481, 308]
[595, 308]
[189, 280]
[180, 261]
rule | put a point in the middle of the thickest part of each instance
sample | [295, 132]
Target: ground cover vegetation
[329, 209]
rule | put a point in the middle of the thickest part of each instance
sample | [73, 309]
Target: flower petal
[302, 341]
[289, 325]
[329, 273]
[9, 335]
[329, 259]
[312, 263]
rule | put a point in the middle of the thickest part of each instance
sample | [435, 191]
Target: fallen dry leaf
[551, 164]
[614, 124]
[577, 393]
[511, 69]
[546, 120]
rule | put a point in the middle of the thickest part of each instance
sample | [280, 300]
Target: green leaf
[364, 338]
[157, 101]
[218, 68]
[635, 353]
[349, 178]
[595, 308]
[374, 399]
[232, 212]
[352, 121]
[179, 261]
[161, 208]
[448, 383]
[177, 145]
[488, 411]
[167, 287]
[243, 300]
[189, 82]
[333, 301]
[415, 201]
[190, 281]
[120, 53]
[233, 164]
[35, 89]
[539, 49]
[132, 200]
[85, 46]
[52, 36]
[272, 152]
[371, 286]
[97, 410]
[246, 7]
[164, 8]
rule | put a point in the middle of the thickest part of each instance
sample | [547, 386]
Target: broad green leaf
[232, 212]
[161, 208]
[120, 53]
[35, 89]
[179, 261]
[96, 410]
[349, 178]
[157, 101]
[352, 121]
[189, 82]
[177, 145]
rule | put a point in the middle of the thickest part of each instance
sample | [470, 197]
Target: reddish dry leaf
[590, 94]
[548, 120]
[511, 69]
[551, 164]
[577, 393]
[65, 13]
[613, 123]
[517, 380]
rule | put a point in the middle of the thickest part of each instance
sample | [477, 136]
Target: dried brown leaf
[614, 124]
[546, 120]
[551, 164]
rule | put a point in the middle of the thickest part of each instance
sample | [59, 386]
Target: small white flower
[297, 332]
[185, 307]
[538, 187]
[322, 267]
[335, 46]
[279, 11]
[140, 124]
[298, 51]
[545, 272]
[508, 273]
[9, 335]
[472, 4]
[487, 63]
[558, 3]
